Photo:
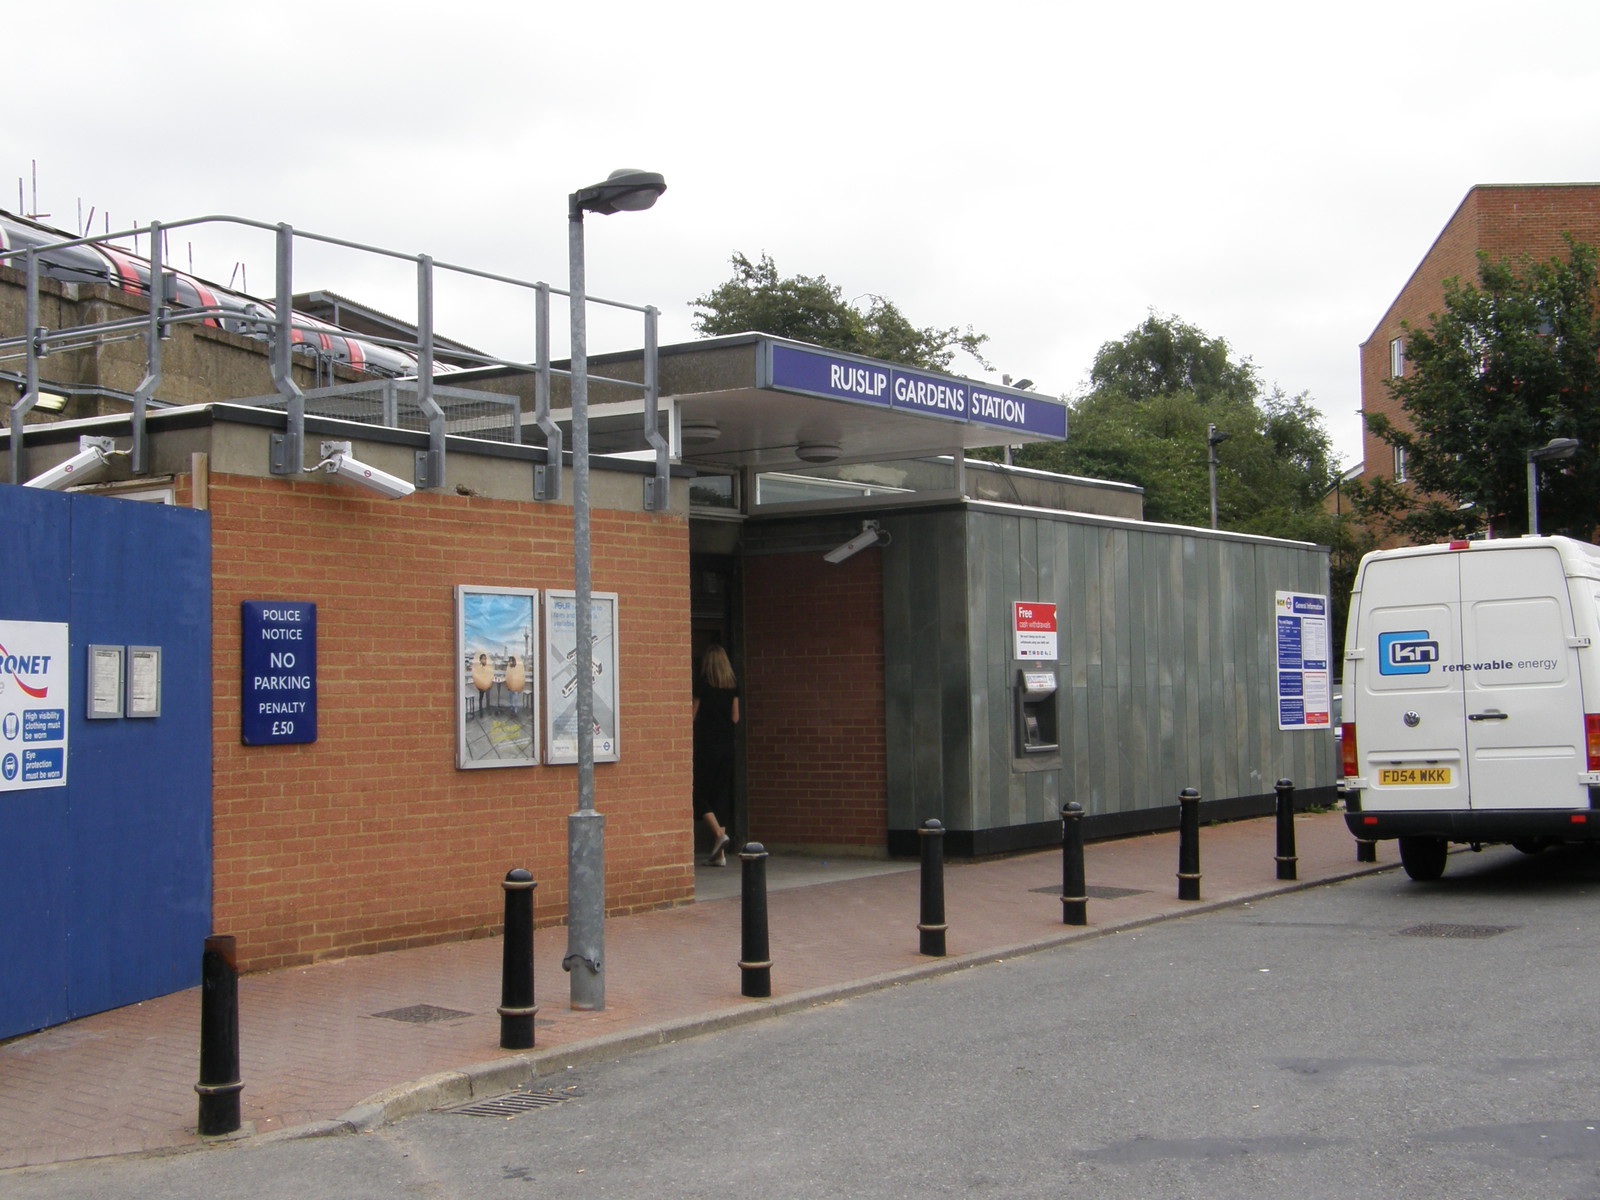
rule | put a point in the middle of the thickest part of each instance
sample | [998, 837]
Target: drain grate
[1095, 892]
[423, 1014]
[509, 1105]
[1438, 930]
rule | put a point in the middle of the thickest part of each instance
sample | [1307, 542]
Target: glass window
[1397, 358]
[713, 491]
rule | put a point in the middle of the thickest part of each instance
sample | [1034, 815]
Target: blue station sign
[863, 381]
[278, 689]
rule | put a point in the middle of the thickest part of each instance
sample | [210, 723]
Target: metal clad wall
[1167, 670]
[930, 698]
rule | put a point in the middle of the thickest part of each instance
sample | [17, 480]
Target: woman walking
[716, 712]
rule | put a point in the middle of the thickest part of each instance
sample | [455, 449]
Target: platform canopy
[756, 401]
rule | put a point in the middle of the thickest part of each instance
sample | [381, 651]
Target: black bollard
[1074, 891]
[219, 1085]
[932, 926]
[1287, 859]
[755, 959]
[517, 1008]
[1366, 850]
[1189, 844]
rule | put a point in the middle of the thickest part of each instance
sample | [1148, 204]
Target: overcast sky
[1044, 172]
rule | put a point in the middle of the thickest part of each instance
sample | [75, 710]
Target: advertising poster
[561, 677]
[496, 643]
[1305, 699]
[33, 705]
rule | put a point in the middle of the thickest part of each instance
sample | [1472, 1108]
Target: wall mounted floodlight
[870, 535]
[341, 464]
[86, 466]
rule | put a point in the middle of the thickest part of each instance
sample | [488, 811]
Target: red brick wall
[814, 697]
[1506, 222]
[370, 839]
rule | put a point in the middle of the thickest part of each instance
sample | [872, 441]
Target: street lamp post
[1214, 438]
[622, 191]
[1552, 451]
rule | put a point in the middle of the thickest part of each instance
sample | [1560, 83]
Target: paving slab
[348, 1044]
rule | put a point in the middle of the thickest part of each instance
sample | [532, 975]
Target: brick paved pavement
[317, 1058]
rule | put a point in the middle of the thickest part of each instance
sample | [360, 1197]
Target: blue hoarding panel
[106, 881]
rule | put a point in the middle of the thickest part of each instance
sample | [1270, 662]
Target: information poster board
[33, 705]
[561, 678]
[1305, 699]
[496, 682]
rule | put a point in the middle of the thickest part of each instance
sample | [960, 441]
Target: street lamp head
[626, 190]
[1215, 436]
[1554, 449]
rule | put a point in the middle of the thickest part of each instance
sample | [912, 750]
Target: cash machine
[1038, 743]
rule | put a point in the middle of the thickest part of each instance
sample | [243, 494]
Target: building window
[1397, 358]
[1399, 464]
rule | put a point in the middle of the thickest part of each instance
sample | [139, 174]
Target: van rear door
[1409, 710]
[1520, 682]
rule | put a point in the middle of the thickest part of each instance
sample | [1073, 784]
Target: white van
[1472, 697]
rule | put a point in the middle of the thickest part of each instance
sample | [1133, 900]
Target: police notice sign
[278, 689]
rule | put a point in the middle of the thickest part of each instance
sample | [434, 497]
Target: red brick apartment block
[1503, 220]
[370, 838]
[814, 692]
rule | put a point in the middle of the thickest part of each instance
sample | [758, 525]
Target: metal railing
[436, 407]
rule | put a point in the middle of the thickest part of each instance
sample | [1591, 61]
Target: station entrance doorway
[714, 620]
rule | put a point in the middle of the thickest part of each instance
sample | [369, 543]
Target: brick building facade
[1503, 221]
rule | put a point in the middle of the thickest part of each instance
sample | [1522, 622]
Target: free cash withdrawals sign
[33, 705]
[278, 687]
[1034, 627]
[1304, 697]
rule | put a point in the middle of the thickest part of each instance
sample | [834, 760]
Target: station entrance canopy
[756, 401]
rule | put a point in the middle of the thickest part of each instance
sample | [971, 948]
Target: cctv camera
[341, 464]
[870, 535]
[87, 465]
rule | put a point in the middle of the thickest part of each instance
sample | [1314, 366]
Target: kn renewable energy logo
[1410, 653]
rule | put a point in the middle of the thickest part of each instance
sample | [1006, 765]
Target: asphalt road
[1376, 1038]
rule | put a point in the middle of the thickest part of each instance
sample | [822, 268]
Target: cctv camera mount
[871, 535]
[339, 462]
[87, 465]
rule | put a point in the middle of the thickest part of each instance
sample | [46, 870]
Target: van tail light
[1347, 745]
[1591, 729]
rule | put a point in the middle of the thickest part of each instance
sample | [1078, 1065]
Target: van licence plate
[1414, 776]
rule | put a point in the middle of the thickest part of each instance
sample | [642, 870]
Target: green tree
[1509, 364]
[1144, 420]
[810, 309]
